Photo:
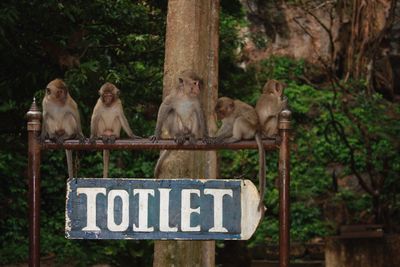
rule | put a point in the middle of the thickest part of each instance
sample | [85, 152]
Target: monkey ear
[65, 88]
[278, 88]
[217, 106]
[266, 87]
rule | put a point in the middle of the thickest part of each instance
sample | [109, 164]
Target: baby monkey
[107, 119]
[61, 119]
[240, 122]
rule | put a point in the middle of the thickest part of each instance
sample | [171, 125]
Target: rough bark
[191, 43]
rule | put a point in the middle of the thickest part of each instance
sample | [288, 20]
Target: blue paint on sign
[153, 209]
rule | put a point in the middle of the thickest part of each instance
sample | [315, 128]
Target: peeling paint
[191, 209]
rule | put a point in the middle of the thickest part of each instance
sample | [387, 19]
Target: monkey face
[107, 97]
[190, 87]
[194, 87]
[57, 91]
[108, 93]
[224, 107]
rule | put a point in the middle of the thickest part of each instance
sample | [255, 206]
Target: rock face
[358, 39]
[287, 30]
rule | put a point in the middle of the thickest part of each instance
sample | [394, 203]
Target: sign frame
[125, 208]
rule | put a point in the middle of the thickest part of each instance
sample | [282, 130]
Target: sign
[99, 208]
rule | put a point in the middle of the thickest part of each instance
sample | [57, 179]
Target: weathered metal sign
[161, 209]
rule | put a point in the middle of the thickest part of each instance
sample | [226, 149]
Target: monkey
[181, 116]
[268, 107]
[67, 56]
[64, 57]
[107, 119]
[108, 116]
[240, 122]
[61, 118]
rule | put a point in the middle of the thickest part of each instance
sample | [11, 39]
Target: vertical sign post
[34, 116]
[284, 185]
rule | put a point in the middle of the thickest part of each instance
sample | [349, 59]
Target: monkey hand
[180, 139]
[82, 139]
[154, 138]
[214, 140]
[106, 139]
[41, 138]
[208, 140]
[192, 139]
[111, 139]
[92, 140]
[59, 140]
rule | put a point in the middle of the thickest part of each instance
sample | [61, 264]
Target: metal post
[284, 185]
[34, 116]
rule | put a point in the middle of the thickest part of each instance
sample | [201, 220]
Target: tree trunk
[191, 43]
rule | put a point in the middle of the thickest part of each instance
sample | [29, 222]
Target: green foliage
[13, 204]
[309, 179]
[281, 68]
[120, 42]
[234, 81]
[317, 146]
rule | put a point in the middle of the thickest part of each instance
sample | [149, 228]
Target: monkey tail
[76, 164]
[68, 154]
[106, 161]
[261, 172]
[164, 154]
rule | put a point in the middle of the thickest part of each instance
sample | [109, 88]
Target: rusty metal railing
[280, 143]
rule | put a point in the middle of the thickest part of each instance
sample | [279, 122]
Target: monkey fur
[268, 107]
[107, 119]
[181, 116]
[61, 120]
[240, 122]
